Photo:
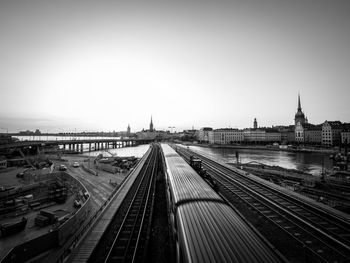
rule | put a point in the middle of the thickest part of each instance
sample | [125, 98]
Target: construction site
[35, 198]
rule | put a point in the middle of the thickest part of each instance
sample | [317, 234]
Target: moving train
[196, 164]
[204, 227]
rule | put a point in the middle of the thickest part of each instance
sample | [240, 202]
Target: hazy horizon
[101, 65]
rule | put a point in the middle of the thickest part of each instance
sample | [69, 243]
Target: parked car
[75, 164]
[62, 167]
[20, 175]
[77, 204]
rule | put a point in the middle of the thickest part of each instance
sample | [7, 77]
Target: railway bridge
[78, 145]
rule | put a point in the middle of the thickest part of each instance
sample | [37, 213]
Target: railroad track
[305, 233]
[126, 238]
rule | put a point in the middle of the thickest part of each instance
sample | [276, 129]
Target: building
[300, 116]
[300, 124]
[331, 133]
[189, 135]
[313, 134]
[291, 136]
[27, 132]
[299, 132]
[204, 134]
[128, 130]
[254, 135]
[345, 136]
[287, 133]
[308, 133]
[273, 135]
[151, 128]
[211, 136]
[227, 136]
[255, 124]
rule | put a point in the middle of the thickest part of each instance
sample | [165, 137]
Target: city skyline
[89, 66]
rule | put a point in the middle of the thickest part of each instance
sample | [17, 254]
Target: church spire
[299, 116]
[151, 125]
[128, 130]
[299, 104]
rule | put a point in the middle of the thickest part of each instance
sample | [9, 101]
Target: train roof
[185, 184]
[213, 232]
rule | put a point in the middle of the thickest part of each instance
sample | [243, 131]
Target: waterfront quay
[144, 213]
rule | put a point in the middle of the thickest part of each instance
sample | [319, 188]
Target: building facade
[287, 134]
[331, 133]
[299, 133]
[345, 136]
[313, 134]
[272, 136]
[300, 116]
[254, 135]
[227, 136]
[128, 130]
[205, 134]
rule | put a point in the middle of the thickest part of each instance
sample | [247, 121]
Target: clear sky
[99, 65]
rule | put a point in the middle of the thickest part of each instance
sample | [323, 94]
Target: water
[308, 162]
[137, 151]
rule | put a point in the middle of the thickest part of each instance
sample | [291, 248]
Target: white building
[254, 135]
[227, 136]
[299, 132]
[331, 132]
[205, 134]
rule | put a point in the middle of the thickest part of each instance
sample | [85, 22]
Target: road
[99, 186]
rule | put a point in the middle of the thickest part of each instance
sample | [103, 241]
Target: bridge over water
[77, 145]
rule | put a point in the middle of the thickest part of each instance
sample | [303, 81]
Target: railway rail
[126, 238]
[303, 232]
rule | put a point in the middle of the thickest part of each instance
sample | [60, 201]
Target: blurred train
[196, 164]
[204, 227]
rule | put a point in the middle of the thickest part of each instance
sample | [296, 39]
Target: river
[308, 162]
[137, 151]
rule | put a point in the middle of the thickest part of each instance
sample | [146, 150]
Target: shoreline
[250, 147]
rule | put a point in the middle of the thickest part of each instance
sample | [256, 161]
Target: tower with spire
[300, 116]
[255, 124]
[128, 130]
[151, 129]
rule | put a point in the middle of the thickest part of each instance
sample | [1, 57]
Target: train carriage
[184, 183]
[205, 228]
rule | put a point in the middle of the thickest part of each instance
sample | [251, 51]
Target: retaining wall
[56, 237]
